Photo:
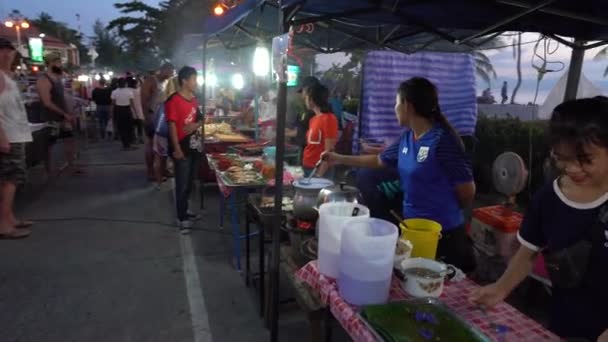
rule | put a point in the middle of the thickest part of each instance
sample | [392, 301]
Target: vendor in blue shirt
[567, 221]
[435, 174]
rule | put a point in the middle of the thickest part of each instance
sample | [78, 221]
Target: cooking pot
[425, 277]
[339, 193]
[305, 198]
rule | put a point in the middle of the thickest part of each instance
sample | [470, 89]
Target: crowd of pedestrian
[159, 111]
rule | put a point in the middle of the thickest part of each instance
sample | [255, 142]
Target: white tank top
[13, 115]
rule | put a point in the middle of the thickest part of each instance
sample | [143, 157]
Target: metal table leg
[327, 322]
[236, 234]
[222, 210]
[262, 253]
[247, 249]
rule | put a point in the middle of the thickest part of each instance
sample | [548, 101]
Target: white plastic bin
[366, 261]
[332, 219]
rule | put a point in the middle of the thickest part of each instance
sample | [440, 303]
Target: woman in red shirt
[322, 129]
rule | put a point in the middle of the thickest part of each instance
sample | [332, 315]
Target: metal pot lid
[341, 188]
[313, 184]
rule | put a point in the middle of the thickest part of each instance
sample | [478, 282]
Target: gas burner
[304, 225]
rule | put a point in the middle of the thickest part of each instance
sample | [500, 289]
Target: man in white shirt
[123, 109]
[14, 134]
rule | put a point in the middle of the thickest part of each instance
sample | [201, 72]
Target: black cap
[5, 44]
[308, 82]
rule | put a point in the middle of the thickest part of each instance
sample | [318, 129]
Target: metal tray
[480, 337]
[229, 183]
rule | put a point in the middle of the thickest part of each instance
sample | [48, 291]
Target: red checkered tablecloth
[455, 296]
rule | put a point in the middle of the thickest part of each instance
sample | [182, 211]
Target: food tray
[449, 325]
[228, 182]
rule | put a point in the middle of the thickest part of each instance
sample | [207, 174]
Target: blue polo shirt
[429, 169]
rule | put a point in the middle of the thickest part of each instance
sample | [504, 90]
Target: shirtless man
[152, 96]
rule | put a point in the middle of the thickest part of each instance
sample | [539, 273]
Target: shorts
[160, 146]
[58, 132]
[12, 164]
[150, 130]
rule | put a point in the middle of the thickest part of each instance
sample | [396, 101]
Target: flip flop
[23, 224]
[15, 234]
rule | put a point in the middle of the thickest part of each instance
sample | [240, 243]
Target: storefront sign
[36, 48]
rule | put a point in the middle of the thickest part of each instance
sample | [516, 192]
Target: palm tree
[517, 55]
[601, 55]
[483, 67]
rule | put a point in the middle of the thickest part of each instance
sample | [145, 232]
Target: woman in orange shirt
[322, 129]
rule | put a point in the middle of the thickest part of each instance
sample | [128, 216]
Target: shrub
[351, 106]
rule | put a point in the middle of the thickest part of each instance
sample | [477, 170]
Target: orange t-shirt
[320, 128]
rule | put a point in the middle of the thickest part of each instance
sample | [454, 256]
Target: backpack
[162, 128]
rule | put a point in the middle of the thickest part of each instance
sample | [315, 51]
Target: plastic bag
[110, 126]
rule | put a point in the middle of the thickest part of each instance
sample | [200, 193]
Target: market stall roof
[408, 26]
[255, 20]
[577, 19]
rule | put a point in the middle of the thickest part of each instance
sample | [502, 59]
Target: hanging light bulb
[218, 10]
[261, 61]
[238, 82]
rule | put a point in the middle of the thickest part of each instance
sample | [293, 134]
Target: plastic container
[494, 230]
[333, 217]
[366, 261]
[424, 235]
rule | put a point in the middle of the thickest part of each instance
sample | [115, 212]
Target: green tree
[517, 56]
[107, 46]
[46, 24]
[483, 67]
[150, 34]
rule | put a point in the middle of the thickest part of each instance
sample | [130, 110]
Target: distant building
[69, 52]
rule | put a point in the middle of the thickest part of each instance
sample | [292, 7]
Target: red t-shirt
[181, 112]
[320, 128]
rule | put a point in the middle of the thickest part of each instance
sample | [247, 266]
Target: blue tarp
[383, 71]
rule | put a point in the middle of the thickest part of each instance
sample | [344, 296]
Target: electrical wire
[541, 69]
[509, 45]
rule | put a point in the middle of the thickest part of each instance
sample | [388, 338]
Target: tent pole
[574, 72]
[204, 103]
[278, 198]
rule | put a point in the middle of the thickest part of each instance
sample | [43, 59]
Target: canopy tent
[255, 20]
[578, 19]
[405, 26]
[586, 88]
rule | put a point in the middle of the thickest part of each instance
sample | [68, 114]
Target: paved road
[105, 263]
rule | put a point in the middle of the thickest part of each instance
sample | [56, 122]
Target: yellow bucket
[424, 235]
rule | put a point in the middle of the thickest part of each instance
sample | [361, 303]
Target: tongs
[314, 170]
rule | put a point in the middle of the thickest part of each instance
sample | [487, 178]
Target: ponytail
[441, 119]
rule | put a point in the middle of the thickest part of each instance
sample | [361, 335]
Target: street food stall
[405, 27]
